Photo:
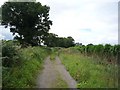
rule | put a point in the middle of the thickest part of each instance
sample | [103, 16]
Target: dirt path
[54, 75]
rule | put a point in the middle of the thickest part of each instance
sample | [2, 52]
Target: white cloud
[72, 17]
[5, 33]
[2, 1]
[100, 17]
[2, 37]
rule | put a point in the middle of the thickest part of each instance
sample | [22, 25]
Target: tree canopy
[54, 41]
[30, 24]
[28, 21]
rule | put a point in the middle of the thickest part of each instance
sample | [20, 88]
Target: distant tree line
[30, 24]
[54, 41]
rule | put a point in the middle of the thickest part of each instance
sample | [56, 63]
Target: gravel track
[54, 69]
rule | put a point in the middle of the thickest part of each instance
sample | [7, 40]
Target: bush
[24, 73]
[9, 54]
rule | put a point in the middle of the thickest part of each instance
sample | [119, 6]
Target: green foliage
[24, 74]
[30, 20]
[9, 54]
[88, 72]
[65, 42]
[59, 83]
[54, 53]
[52, 56]
[108, 52]
[52, 40]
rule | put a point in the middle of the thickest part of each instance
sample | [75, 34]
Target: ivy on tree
[28, 21]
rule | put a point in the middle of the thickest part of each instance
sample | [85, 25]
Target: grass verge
[88, 72]
[24, 75]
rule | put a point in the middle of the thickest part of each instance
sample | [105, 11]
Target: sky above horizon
[87, 21]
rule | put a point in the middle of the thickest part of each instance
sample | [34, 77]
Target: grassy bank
[24, 73]
[89, 72]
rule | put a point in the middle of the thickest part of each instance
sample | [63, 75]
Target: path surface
[54, 74]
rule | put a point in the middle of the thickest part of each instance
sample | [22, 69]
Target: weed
[24, 75]
[88, 72]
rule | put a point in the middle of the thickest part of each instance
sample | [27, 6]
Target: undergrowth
[88, 72]
[24, 74]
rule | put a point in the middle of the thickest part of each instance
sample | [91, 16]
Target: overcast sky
[87, 21]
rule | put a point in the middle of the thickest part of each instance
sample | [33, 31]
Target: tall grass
[89, 72]
[24, 75]
[54, 53]
[108, 52]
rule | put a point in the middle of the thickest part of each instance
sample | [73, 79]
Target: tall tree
[51, 40]
[28, 21]
[70, 42]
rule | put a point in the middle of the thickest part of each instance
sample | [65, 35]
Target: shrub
[9, 54]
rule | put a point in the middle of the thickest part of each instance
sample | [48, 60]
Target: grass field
[89, 72]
